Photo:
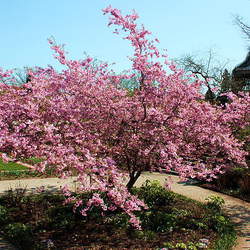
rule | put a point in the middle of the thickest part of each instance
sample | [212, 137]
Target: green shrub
[215, 203]
[226, 241]
[14, 198]
[158, 221]
[62, 217]
[168, 245]
[221, 223]
[47, 197]
[181, 245]
[154, 194]
[120, 220]
[20, 235]
[4, 217]
[146, 235]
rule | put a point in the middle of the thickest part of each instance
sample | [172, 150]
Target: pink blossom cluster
[82, 123]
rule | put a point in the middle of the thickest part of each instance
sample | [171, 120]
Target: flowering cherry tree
[82, 123]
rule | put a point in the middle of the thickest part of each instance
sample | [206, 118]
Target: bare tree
[20, 75]
[206, 68]
[244, 27]
[16, 77]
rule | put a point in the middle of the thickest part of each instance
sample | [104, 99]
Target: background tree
[207, 68]
[226, 83]
[18, 77]
[21, 75]
[244, 27]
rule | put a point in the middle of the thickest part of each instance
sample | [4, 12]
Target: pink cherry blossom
[82, 122]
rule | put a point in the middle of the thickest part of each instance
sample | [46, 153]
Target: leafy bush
[145, 235]
[3, 215]
[181, 245]
[221, 223]
[215, 203]
[158, 221]
[14, 197]
[226, 240]
[120, 220]
[20, 235]
[62, 217]
[154, 194]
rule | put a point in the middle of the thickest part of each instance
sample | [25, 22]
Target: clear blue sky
[182, 26]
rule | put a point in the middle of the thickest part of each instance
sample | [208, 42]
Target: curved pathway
[238, 210]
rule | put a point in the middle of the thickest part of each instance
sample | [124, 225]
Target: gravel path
[238, 210]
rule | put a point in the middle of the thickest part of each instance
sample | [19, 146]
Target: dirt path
[238, 210]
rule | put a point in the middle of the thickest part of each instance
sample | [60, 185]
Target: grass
[17, 174]
[32, 160]
[13, 170]
[11, 166]
[40, 221]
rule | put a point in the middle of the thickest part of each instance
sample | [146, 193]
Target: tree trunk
[132, 179]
